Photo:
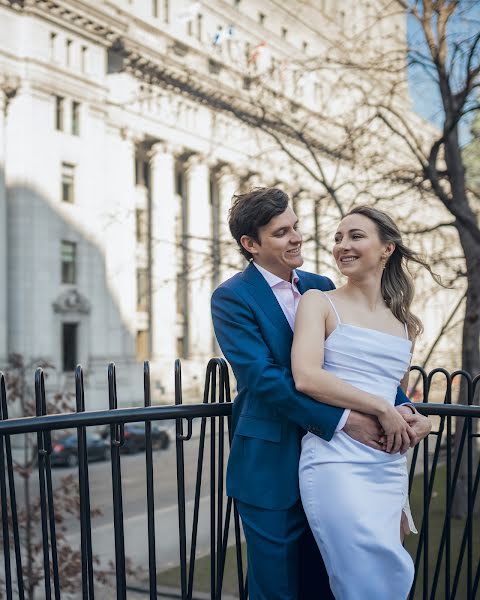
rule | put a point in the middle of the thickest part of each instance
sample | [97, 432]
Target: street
[135, 503]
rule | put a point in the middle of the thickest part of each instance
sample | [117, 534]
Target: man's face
[280, 247]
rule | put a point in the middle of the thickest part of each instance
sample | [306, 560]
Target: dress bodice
[368, 359]
[372, 361]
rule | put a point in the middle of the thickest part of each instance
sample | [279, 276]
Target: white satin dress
[353, 495]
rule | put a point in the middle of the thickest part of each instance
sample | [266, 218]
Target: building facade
[118, 161]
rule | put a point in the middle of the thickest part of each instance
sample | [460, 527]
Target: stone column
[163, 254]
[230, 259]
[302, 204]
[200, 250]
[3, 234]
[250, 179]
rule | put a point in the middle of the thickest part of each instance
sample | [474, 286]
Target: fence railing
[444, 480]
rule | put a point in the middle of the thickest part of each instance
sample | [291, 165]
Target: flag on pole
[218, 37]
[222, 35]
[257, 52]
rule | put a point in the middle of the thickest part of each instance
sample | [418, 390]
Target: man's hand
[365, 429]
[420, 425]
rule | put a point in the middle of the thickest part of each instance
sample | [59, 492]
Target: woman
[363, 334]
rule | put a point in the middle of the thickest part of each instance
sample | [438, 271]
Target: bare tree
[392, 153]
[344, 121]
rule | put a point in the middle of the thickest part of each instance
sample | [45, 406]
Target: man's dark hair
[252, 210]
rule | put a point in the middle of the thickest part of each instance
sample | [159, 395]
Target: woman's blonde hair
[397, 284]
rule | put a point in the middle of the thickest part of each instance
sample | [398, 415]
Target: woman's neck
[367, 293]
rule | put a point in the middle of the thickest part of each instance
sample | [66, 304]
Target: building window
[83, 59]
[199, 27]
[141, 226]
[215, 231]
[189, 28]
[59, 112]
[166, 11]
[305, 47]
[68, 52]
[236, 3]
[284, 33]
[155, 9]
[141, 171]
[261, 18]
[182, 228]
[69, 259]
[142, 289]
[68, 181]
[75, 118]
[69, 346]
[179, 183]
[142, 345]
[53, 40]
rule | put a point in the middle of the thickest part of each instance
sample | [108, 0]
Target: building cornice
[77, 15]
[165, 71]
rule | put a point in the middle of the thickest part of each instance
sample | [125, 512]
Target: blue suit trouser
[284, 562]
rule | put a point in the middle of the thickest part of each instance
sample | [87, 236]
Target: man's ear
[249, 244]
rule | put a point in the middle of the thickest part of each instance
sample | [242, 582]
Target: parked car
[134, 435]
[65, 451]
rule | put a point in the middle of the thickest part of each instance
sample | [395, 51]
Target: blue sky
[423, 89]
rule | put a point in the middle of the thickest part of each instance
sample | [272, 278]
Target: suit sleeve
[401, 397]
[242, 343]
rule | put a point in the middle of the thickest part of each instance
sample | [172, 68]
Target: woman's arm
[311, 379]
[244, 346]
[307, 361]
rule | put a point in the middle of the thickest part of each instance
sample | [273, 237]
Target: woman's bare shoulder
[314, 299]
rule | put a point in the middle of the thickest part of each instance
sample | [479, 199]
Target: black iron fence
[444, 480]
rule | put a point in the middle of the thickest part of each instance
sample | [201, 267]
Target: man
[253, 315]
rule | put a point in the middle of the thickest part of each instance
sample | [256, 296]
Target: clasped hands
[396, 431]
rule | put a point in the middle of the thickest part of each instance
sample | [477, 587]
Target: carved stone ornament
[71, 301]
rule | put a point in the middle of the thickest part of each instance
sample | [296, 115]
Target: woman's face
[358, 250]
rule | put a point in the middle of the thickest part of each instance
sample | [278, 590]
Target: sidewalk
[140, 593]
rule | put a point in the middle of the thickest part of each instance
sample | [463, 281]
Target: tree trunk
[470, 361]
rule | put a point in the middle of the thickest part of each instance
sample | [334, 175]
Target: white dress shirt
[288, 297]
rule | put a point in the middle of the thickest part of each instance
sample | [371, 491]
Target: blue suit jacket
[269, 415]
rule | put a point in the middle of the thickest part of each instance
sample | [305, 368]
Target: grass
[171, 578]
[437, 512]
[436, 519]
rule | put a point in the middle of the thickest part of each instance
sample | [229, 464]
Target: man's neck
[286, 277]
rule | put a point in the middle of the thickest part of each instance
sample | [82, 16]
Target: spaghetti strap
[406, 330]
[333, 306]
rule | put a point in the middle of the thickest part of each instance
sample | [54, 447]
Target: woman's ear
[389, 249]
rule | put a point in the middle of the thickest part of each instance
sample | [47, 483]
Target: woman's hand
[421, 426]
[398, 432]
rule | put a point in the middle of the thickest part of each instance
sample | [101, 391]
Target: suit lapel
[301, 286]
[263, 295]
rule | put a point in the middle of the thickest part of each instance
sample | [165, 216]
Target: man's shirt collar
[274, 280]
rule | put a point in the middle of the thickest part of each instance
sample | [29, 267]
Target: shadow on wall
[68, 299]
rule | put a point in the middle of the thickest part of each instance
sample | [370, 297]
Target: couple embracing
[321, 420]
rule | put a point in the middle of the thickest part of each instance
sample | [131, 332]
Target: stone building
[118, 163]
